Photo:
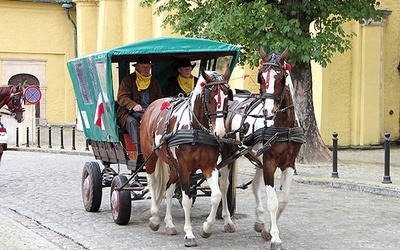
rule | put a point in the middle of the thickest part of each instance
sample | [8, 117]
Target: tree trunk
[314, 150]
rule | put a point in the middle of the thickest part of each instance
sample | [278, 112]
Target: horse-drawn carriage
[96, 77]
[182, 135]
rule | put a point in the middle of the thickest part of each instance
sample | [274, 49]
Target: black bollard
[335, 173]
[17, 138]
[73, 138]
[50, 137]
[27, 137]
[62, 137]
[38, 137]
[386, 176]
[87, 145]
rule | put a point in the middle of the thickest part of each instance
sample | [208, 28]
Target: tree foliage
[312, 28]
[273, 23]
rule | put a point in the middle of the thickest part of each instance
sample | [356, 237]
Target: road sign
[32, 94]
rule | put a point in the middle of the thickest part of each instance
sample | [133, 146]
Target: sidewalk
[358, 170]
[67, 146]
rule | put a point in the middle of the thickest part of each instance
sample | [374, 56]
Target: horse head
[210, 100]
[272, 79]
[16, 103]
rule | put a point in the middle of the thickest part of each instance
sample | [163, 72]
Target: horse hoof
[204, 234]
[229, 228]
[258, 226]
[266, 236]
[153, 226]
[170, 230]
[190, 242]
[276, 246]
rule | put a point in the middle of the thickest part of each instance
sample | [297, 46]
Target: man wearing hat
[184, 82]
[135, 93]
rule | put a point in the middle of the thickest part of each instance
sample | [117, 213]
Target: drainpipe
[67, 7]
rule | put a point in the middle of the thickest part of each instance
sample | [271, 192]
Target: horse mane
[201, 81]
[4, 93]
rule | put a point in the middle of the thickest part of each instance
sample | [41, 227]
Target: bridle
[14, 104]
[205, 93]
[266, 68]
[205, 98]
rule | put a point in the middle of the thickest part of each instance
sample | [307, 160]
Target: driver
[135, 93]
[184, 82]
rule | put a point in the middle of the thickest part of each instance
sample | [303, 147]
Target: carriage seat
[125, 139]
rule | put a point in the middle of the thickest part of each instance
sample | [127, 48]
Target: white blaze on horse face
[269, 106]
[219, 129]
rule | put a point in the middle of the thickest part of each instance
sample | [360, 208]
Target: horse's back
[245, 113]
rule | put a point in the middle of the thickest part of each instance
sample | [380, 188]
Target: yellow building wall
[87, 14]
[357, 95]
[41, 31]
[391, 75]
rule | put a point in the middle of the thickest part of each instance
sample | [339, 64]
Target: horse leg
[169, 225]
[215, 200]
[157, 182]
[286, 181]
[260, 212]
[229, 227]
[154, 221]
[187, 202]
[272, 205]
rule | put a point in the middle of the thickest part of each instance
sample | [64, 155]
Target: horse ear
[205, 76]
[227, 72]
[284, 55]
[24, 85]
[262, 53]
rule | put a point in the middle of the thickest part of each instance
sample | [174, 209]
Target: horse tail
[161, 175]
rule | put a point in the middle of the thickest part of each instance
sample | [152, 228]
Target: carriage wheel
[120, 201]
[91, 186]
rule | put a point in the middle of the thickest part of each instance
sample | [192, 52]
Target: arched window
[26, 80]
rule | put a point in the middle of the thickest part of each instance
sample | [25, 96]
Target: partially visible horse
[13, 97]
[179, 136]
[266, 123]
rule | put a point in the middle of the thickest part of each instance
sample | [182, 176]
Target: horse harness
[14, 103]
[191, 136]
[267, 135]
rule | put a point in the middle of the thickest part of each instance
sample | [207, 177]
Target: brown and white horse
[267, 124]
[179, 136]
[13, 97]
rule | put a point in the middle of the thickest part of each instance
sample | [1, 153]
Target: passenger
[184, 82]
[135, 93]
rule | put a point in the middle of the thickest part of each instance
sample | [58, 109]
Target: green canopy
[92, 76]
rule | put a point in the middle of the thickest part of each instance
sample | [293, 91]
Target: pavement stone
[358, 170]
[15, 235]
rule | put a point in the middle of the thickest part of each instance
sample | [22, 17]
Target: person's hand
[137, 108]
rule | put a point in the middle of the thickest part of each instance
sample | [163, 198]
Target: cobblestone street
[41, 207]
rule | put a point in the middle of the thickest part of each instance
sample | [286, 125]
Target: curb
[54, 151]
[353, 187]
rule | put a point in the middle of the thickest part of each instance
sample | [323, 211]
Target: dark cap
[184, 62]
[142, 60]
